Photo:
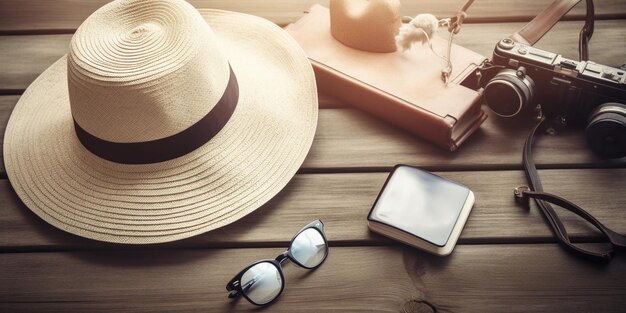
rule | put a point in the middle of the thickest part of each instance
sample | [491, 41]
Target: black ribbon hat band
[171, 147]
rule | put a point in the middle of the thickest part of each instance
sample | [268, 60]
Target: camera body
[583, 94]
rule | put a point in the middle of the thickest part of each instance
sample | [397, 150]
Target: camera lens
[509, 91]
[606, 131]
[503, 98]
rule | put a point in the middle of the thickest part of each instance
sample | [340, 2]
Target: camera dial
[606, 130]
[506, 44]
[509, 91]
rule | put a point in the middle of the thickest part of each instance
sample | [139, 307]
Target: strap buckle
[521, 196]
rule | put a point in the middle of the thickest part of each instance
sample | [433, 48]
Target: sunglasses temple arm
[231, 288]
[232, 292]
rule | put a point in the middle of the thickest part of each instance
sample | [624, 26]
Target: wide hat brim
[247, 163]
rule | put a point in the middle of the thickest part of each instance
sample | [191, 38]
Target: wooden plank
[347, 139]
[43, 16]
[23, 58]
[343, 201]
[475, 278]
[6, 106]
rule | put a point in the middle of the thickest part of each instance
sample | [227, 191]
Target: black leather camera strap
[543, 200]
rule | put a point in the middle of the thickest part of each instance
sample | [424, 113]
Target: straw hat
[161, 123]
[367, 25]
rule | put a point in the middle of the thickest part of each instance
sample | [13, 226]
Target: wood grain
[475, 278]
[37, 16]
[346, 139]
[343, 201]
[6, 106]
[506, 260]
[23, 58]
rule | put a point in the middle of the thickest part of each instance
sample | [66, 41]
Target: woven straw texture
[138, 73]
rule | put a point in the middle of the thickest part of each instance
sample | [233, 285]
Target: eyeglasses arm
[231, 288]
[233, 293]
[233, 284]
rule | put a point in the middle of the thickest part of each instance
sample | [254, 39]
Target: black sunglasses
[263, 281]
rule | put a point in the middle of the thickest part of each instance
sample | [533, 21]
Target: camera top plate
[513, 54]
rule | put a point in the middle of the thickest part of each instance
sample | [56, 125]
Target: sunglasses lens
[262, 283]
[309, 248]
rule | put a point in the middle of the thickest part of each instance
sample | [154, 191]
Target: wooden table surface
[507, 259]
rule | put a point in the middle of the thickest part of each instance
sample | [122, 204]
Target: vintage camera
[583, 94]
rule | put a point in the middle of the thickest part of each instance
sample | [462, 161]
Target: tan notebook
[403, 88]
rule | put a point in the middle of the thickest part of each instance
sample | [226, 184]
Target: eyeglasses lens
[262, 283]
[309, 248]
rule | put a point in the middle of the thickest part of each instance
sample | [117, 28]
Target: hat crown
[141, 71]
